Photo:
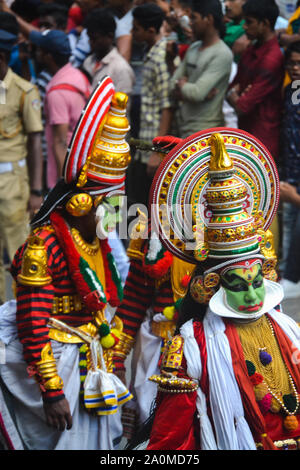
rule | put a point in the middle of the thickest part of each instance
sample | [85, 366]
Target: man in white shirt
[105, 58]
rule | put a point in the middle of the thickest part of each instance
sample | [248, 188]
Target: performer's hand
[289, 193]
[58, 415]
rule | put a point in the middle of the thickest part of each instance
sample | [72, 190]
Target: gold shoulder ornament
[34, 269]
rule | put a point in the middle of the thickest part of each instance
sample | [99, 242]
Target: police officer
[20, 149]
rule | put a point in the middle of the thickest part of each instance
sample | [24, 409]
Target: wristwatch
[37, 192]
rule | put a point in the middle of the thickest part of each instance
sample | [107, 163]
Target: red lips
[254, 308]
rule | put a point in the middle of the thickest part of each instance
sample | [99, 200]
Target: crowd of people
[186, 67]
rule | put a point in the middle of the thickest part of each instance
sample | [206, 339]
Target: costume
[63, 285]
[229, 379]
[154, 287]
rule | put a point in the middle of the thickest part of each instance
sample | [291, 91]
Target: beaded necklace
[274, 386]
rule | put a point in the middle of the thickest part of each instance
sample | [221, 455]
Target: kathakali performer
[59, 337]
[230, 377]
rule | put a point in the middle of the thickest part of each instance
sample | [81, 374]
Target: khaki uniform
[20, 115]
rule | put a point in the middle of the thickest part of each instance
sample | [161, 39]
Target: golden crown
[110, 155]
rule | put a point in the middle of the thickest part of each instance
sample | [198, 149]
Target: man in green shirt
[199, 84]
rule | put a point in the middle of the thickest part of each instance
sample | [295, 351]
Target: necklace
[89, 248]
[262, 351]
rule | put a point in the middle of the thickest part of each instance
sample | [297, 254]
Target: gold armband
[48, 371]
[124, 346]
[169, 383]
[172, 357]
[34, 269]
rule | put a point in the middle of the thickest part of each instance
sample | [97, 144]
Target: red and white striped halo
[87, 128]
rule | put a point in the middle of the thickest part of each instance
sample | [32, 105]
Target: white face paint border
[274, 296]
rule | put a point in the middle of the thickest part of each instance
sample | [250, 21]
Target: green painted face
[244, 289]
[108, 215]
[113, 213]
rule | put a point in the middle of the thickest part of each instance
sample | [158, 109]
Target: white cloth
[119, 254]
[194, 370]
[88, 432]
[232, 430]
[124, 25]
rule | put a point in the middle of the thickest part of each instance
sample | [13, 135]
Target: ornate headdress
[214, 198]
[98, 155]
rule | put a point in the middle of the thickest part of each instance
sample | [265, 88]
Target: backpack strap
[67, 86]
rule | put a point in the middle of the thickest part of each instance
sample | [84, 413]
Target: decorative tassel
[265, 403]
[290, 423]
[265, 358]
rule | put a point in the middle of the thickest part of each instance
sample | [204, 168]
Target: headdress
[98, 154]
[213, 200]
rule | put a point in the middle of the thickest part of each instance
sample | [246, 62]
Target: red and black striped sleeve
[138, 297]
[34, 306]
[139, 292]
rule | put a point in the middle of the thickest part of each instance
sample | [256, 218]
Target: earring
[211, 280]
[79, 204]
[199, 292]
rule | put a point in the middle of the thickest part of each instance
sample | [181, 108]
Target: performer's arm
[138, 295]
[34, 307]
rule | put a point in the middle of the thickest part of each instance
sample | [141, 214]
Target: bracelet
[48, 371]
[124, 346]
[37, 192]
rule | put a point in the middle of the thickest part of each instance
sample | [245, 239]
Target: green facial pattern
[244, 289]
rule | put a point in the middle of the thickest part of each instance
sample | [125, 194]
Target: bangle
[37, 192]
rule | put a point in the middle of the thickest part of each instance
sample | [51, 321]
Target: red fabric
[252, 412]
[263, 68]
[5, 435]
[201, 341]
[158, 269]
[75, 17]
[183, 50]
[66, 86]
[270, 424]
[91, 299]
[170, 430]
[34, 305]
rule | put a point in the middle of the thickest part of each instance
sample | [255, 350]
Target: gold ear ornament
[79, 204]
